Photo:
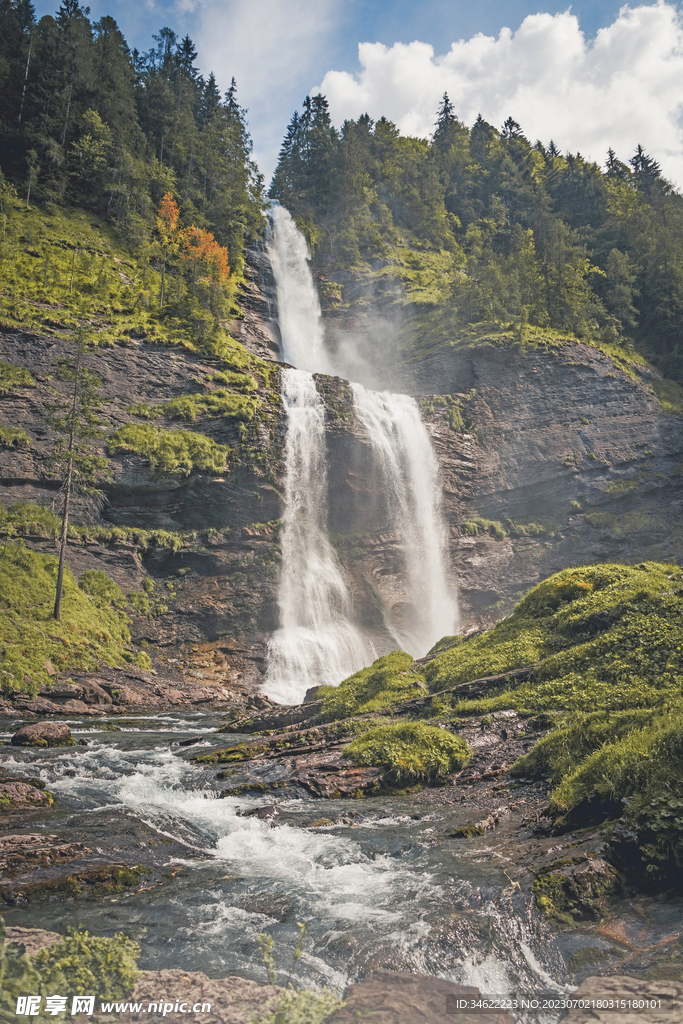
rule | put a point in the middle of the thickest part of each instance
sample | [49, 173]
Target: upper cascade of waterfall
[299, 316]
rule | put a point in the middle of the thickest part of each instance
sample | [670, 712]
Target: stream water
[382, 886]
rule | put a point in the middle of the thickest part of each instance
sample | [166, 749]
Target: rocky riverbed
[147, 826]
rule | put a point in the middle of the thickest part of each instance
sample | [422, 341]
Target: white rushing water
[377, 887]
[301, 326]
[409, 475]
[318, 639]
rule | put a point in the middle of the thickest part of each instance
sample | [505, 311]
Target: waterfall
[298, 305]
[317, 639]
[409, 476]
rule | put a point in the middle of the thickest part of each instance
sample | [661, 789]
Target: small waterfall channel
[318, 639]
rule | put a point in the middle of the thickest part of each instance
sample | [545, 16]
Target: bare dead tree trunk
[23, 91]
[67, 496]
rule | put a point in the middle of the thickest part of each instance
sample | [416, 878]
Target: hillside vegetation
[604, 649]
[93, 629]
[481, 225]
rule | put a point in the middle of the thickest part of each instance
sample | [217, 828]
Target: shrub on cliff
[411, 750]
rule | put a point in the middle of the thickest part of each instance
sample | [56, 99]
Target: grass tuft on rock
[303, 1006]
[412, 751]
[170, 451]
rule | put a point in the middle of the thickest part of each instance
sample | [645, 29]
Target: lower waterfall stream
[377, 885]
[317, 639]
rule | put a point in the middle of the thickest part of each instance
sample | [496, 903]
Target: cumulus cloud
[621, 88]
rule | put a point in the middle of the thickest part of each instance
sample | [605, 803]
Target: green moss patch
[189, 407]
[575, 891]
[386, 682]
[12, 377]
[91, 631]
[14, 437]
[411, 750]
[170, 451]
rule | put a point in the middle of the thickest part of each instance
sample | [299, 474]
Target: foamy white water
[298, 304]
[317, 639]
[409, 475]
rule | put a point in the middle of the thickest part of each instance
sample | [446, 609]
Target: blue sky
[589, 76]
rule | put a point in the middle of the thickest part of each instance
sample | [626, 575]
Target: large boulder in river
[395, 997]
[43, 734]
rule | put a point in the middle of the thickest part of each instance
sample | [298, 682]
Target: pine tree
[445, 122]
[511, 130]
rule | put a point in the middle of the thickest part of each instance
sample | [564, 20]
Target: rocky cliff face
[553, 457]
[560, 458]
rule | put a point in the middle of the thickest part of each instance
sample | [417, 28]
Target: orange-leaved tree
[200, 248]
[168, 216]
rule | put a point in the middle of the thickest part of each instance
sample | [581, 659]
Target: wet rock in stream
[43, 734]
[393, 997]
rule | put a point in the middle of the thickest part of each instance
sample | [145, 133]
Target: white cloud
[622, 88]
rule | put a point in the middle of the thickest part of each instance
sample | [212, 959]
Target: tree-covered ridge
[485, 226]
[88, 122]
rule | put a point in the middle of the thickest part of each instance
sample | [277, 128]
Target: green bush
[91, 964]
[387, 681]
[412, 750]
[170, 451]
[303, 1006]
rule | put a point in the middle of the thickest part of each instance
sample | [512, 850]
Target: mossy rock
[411, 751]
[576, 891]
[106, 880]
